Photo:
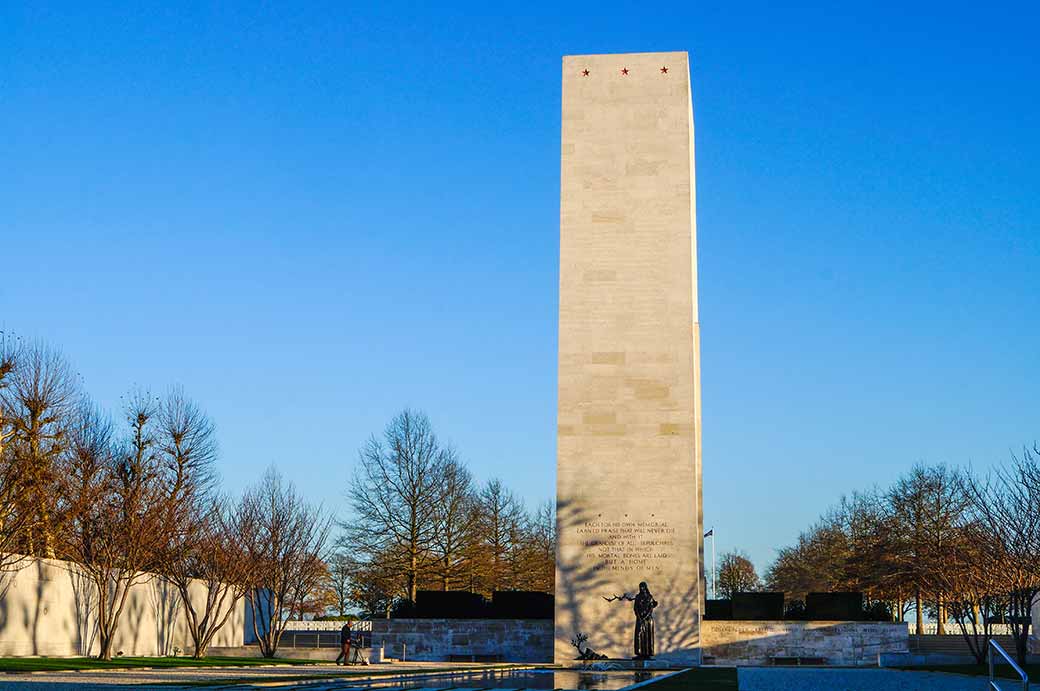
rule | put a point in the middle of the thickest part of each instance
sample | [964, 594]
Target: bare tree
[374, 586]
[974, 590]
[322, 596]
[341, 574]
[284, 541]
[397, 492]
[203, 550]
[928, 509]
[455, 521]
[737, 575]
[39, 395]
[815, 563]
[889, 545]
[499, 526]
[115, 531]
[1004, 506]
[187, 452]
[871, 563]
[520, 561]
[12, 521]
[206, 564]
[542, 546]
[9, 357]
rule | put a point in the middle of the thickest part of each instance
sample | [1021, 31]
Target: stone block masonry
[836, 642]
[725, 642]
[628, 472]
[429, 640]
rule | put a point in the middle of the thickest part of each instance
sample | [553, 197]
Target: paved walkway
[117, 680]
[773, 679]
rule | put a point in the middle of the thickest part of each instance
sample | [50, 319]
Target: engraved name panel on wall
[627, 544]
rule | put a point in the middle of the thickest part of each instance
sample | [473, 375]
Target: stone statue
[643, 605]
[644, 634]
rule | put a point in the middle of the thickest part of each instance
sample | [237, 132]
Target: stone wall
[515, 640]
[725, 642]
[838, 642]
[47, 608]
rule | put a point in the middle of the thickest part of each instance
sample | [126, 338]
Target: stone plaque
[628, 463]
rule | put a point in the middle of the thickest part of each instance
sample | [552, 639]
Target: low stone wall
[723, 642]
[837, 642]
[514, 640]
[49, 607]
[284, 652]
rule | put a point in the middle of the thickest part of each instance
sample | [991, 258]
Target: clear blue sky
[314, 215]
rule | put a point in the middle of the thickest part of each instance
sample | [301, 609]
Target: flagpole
[714, 574]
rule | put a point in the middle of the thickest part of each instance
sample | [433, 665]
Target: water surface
[515, 679]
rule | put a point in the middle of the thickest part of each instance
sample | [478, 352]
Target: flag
[710, 533]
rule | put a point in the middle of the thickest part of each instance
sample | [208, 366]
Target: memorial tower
[628, 419]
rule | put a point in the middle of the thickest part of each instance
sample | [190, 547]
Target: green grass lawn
[700, 679]
[55, 664]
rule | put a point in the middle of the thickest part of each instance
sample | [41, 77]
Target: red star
[664, 70]
[624, 70]
[584, 73]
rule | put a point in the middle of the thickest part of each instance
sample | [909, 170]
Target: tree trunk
[940, 629]
[413, 577]
[920, 614]
[105, 640]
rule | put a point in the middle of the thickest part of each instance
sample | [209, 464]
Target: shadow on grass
[698, 679]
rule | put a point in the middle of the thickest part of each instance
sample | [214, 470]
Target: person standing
[344, 645]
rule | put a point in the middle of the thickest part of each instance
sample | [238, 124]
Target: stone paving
[115, 680]
[773, 679]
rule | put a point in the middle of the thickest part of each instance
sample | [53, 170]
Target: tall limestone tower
[629, 418]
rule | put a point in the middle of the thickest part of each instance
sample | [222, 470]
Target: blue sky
[312, 215]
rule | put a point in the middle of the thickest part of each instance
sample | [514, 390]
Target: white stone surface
[46, 610]
[628, 464]
[854, 643]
